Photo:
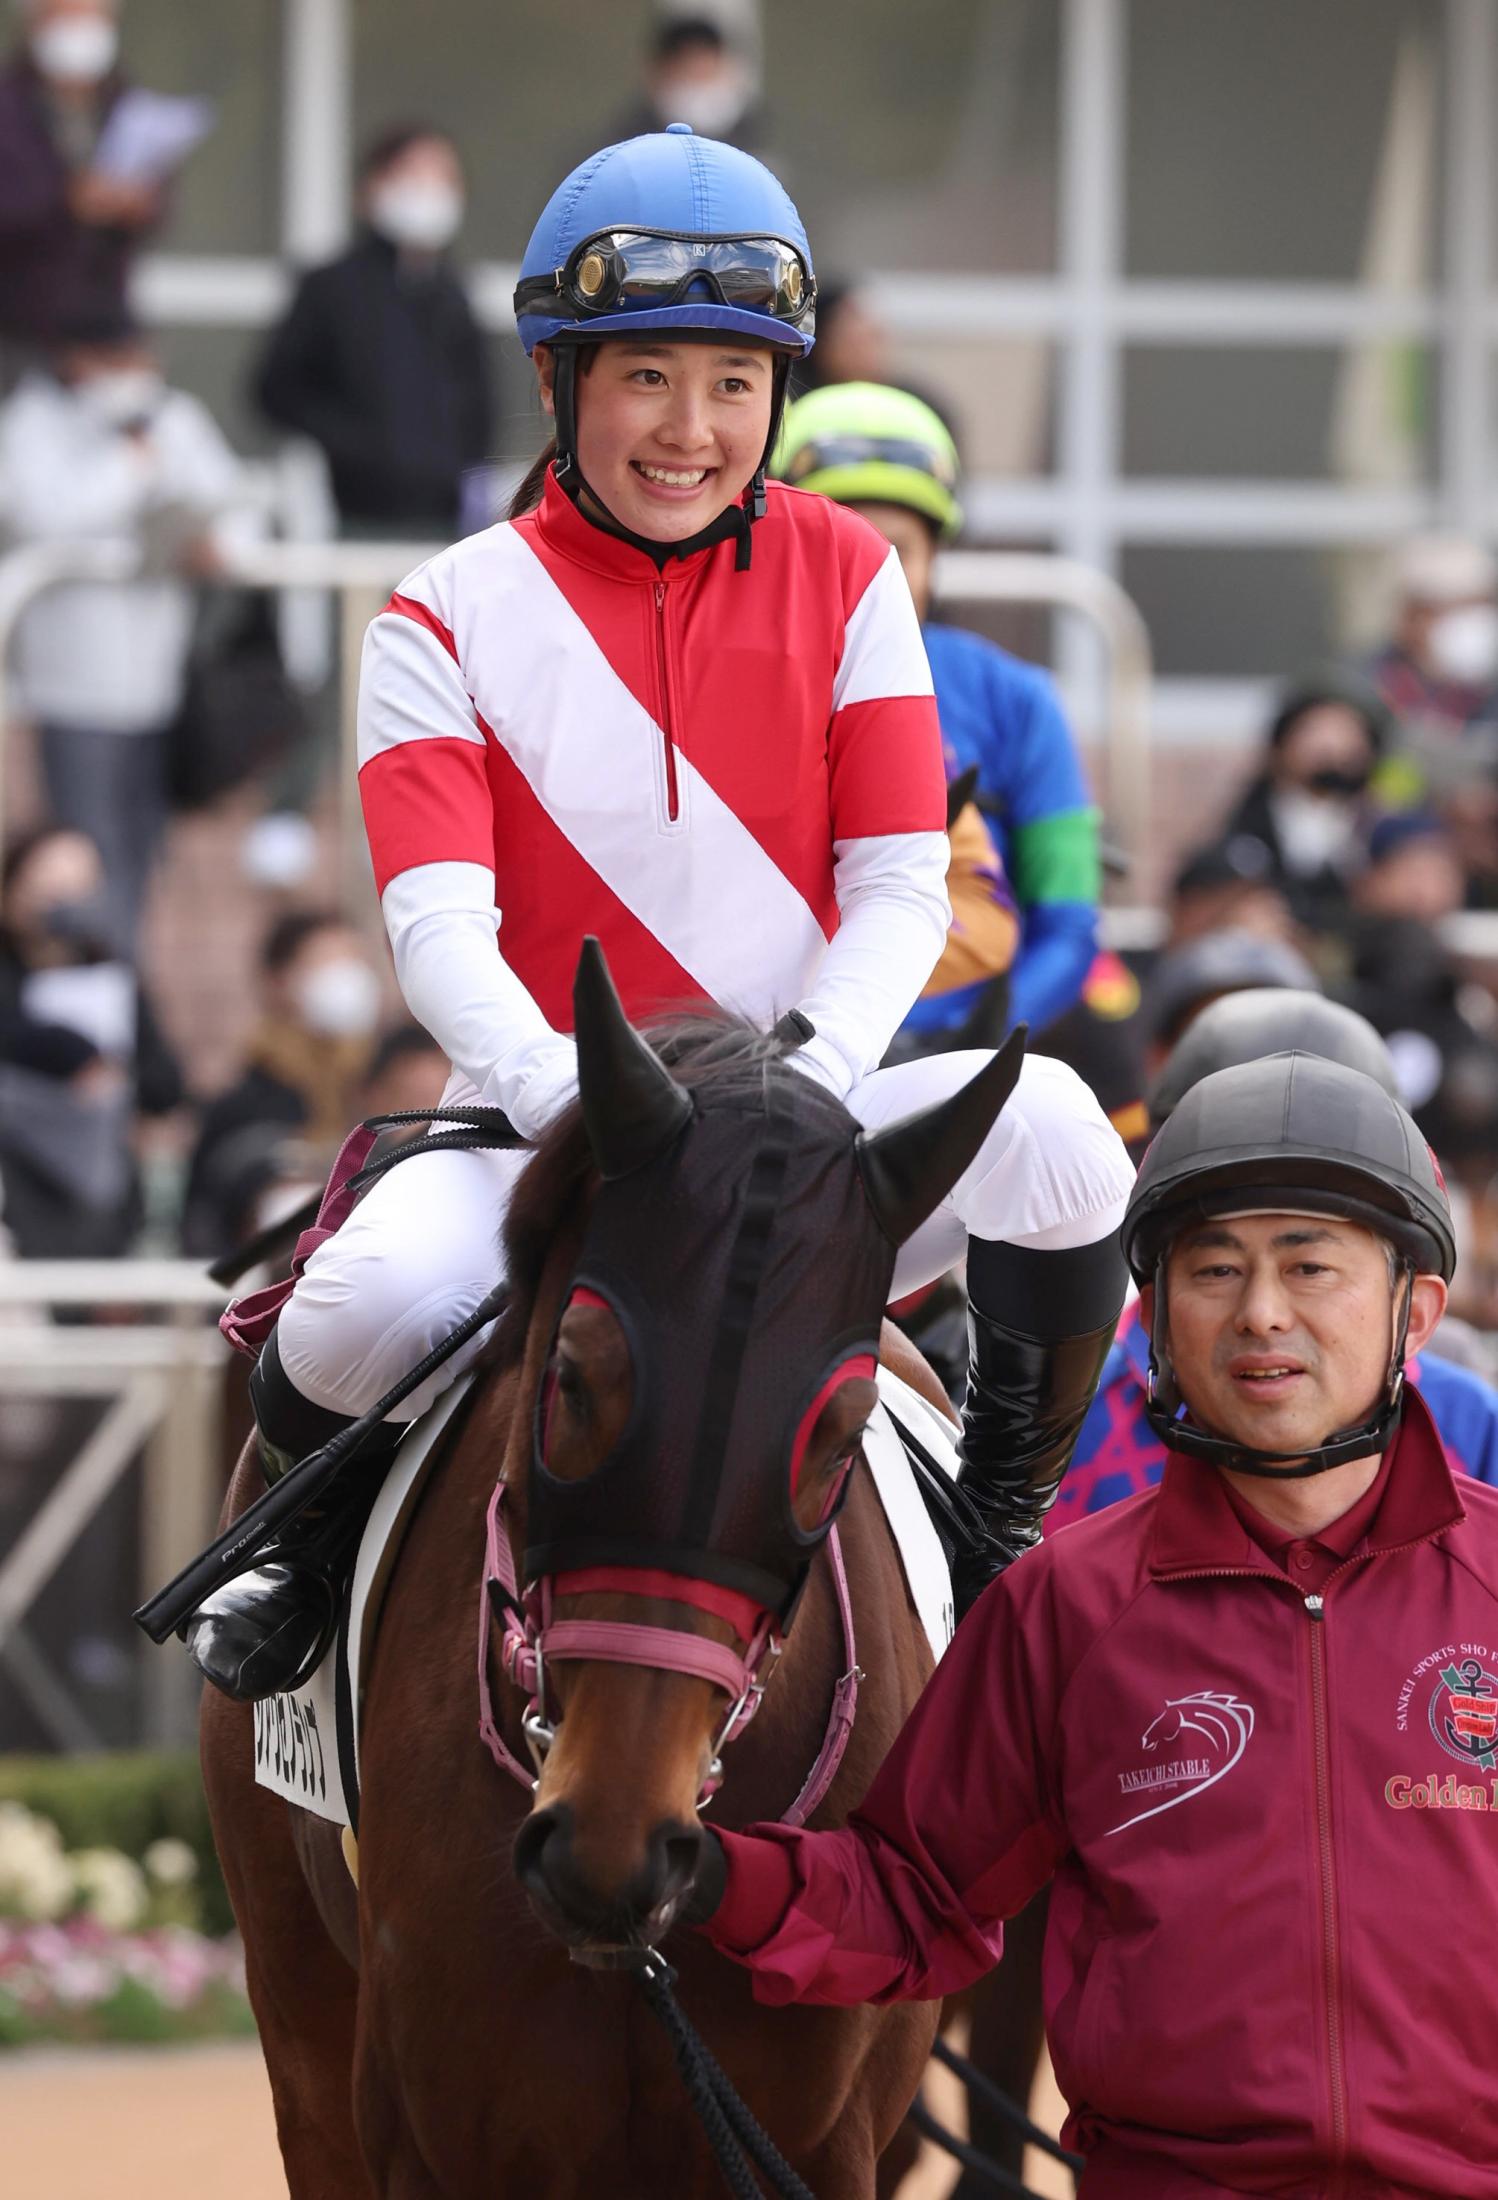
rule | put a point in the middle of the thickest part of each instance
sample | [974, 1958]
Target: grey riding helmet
[1287, 1134]
[1291, 1133]
[1245, 1027]
[1217, 963]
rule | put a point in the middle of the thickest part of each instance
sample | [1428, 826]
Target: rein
[529, 1637]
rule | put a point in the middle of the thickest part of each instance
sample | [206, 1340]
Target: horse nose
[555, 1876]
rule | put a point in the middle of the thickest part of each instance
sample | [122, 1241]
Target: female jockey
[691, 714]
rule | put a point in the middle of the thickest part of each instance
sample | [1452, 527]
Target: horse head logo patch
[1195, 1742]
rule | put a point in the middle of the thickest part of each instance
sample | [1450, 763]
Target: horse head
[701, 1253]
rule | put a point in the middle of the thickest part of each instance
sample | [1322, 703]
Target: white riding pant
[423, 1247]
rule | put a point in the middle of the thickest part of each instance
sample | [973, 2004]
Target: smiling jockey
[688, 713]
[1247, 1721]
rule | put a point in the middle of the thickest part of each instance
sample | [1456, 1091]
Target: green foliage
[125, 1801]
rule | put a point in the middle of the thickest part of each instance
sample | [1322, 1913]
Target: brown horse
[431, 2038]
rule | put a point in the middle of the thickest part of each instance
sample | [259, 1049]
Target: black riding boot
[1039, 1327]
[266, 1629]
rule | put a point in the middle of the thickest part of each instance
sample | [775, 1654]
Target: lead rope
[738, 2140]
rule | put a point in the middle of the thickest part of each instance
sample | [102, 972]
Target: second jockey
[690, 713]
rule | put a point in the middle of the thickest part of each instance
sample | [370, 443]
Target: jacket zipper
[673, 804]
[1330, 1950]
[1315, 1607]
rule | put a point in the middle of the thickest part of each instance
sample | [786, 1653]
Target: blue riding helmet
[668, 231]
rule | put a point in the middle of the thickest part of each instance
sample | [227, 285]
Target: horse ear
[909, 1168]
[633, 1108]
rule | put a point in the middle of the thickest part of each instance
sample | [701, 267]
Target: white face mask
[1463, 645]
[75, 49]
[127, 399]
[712, 104]
[422, 216]
[1313, 831]
[339, 1000]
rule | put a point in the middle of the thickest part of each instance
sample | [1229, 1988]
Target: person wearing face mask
[1306, 803]
[694, 73]
[81, 1058]
[303, 1074]
[68, 231]
[1439, 670]
[379, 360]
[97, 445]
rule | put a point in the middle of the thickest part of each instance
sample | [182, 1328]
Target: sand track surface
[194, 2123]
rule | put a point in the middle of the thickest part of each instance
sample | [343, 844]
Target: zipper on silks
[673, 803]
[1330, 1950]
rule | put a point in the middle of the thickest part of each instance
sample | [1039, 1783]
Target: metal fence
[161, 1375]
[362, 574]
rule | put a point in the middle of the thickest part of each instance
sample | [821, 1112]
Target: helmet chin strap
[733, 523]
[1163, 1404]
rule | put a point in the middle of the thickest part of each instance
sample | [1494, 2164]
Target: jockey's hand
[709, 1884]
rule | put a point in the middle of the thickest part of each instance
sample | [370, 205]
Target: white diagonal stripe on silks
[594, 758]
[409, 689]
[883, 653]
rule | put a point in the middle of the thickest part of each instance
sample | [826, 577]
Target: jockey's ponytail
[529, 493]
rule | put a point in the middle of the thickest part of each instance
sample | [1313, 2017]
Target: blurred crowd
[1366, 819]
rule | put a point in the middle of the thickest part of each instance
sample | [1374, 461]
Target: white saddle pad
[307, 1742]
[927, 1574]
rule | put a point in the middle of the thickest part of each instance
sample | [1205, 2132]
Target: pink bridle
[530, 1639]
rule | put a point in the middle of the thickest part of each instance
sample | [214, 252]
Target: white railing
[161, 1376]
[363, 573]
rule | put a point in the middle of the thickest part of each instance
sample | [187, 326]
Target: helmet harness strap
[1163, 1404]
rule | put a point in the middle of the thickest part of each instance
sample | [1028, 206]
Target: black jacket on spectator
[55, 271]
[386, 370]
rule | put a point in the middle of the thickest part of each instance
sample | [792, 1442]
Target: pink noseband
[531, 1638]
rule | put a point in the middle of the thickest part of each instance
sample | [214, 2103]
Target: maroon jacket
[1272, 1820]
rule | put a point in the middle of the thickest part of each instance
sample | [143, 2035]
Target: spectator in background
[67, 232]
[1307, 802]
[1189, 978]
[1439, 671]
[80, 1055]
[302, 1083]
[853, 343]
[379, 360]
[887, 454]
[694, 73]
[96, 445]
[407, 1071]
[1228, 886]
[1441, 1031]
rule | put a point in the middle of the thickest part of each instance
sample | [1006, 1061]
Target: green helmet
[861, 443]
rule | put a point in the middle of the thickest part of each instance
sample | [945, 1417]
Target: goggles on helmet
[623, 269]
[831, 453]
